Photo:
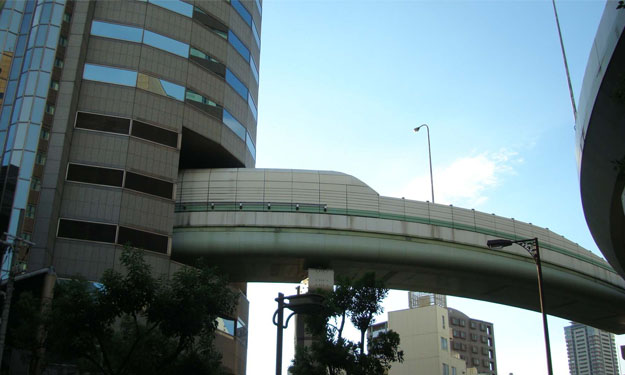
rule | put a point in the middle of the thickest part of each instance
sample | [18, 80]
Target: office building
[103, 102]
[591, 351]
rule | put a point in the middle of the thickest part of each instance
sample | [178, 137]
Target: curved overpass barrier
[271, 225]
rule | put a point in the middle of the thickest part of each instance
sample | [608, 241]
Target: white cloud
[465, 182]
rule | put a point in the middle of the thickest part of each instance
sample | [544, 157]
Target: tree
[134, 323]
[332, 354]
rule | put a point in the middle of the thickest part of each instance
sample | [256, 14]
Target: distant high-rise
[591, 351]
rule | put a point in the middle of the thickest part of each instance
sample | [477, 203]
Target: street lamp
[531, 245]
[430, 155]
[307, 303]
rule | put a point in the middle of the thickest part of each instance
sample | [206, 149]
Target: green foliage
[133, 323]
[331, 354]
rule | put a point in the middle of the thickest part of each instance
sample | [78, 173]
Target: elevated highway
[272, 225]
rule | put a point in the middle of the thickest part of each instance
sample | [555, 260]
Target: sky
[343, 83]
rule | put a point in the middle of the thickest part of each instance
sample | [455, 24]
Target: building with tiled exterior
[103, 103]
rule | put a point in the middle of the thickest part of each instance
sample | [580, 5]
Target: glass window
[453, 371]
[48, 58]
[241, 331]
[95, 175]
[445, 369]
[208, 62]
[166, 44]
[173, 90]
[53, 36]
[255, 33]
[234, 124]
[489, 330]
[115, 31]
[149, 185]
[444, 344]
[226, 325]
[160, 86]
[45, 134]
[102, 123]
[176, 6]
[46, 13]
[260, 9]
[247, 17]
[44, 84]
[154, 134]
[36, 61]
[250, 145]
[35, 184]
[57, 14]
[143, 240]
[49, 109]
[58, 63]
[238, 45]
[236, 84]
[30, 211]
[67, 17]
[82, 230]
[204, 104]
[54, 85]
[63, 41]
[110, 75]
[252, 105]
[210, 22]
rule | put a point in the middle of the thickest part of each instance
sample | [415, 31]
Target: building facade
[102, 104]
[474, 340]
[425, 340]
[591, 351]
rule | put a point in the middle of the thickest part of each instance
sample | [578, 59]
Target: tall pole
[542, 307]
[566, 64]
[429, 156]
[280, 325]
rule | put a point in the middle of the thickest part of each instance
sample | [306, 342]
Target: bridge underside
[283, 254]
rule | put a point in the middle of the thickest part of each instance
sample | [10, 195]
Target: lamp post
[308, 303]
[531, 245]
[430, 156]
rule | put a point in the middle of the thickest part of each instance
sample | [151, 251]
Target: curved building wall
[139, 91]
[600, 136]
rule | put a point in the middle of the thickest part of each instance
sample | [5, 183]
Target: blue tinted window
[111, 30]
[226, 325]
[111, 75]
[255, 32]
[173, 90]
[247, 17]
[250, 146]
[252, 105]
[177, 6]
[236, 84]
[234, 125]
[254, 69]
[238, 45]
[260, 9]
[166, 44]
